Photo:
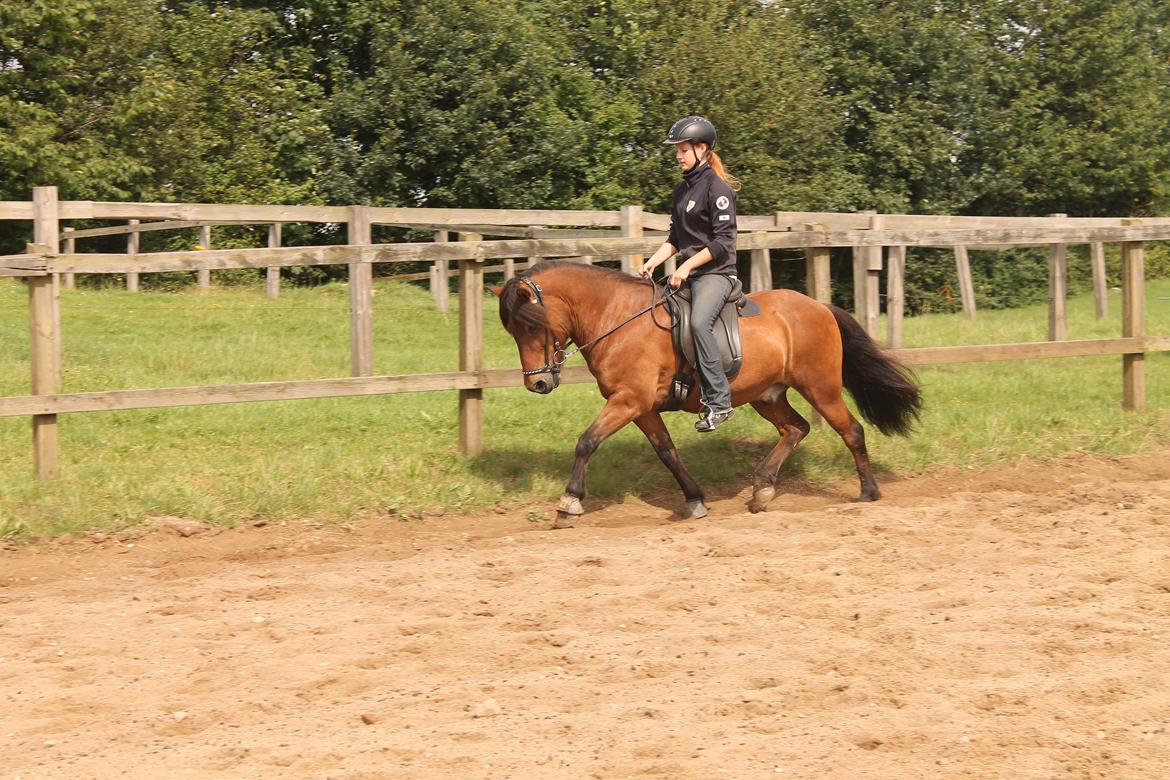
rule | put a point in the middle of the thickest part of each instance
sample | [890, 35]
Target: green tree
[226, 115]
[137, 100]
[456, 103]
[181, 103]
[739, 62]
[904, 74]
[1000, 107]
[1075, 115]
[67, 75]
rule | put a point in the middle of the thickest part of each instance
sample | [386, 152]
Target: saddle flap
[726, 327]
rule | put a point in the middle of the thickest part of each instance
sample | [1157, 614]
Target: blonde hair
[716, 163]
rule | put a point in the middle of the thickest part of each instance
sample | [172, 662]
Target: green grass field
[342, 459]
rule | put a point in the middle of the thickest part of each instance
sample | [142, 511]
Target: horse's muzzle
[545, 386]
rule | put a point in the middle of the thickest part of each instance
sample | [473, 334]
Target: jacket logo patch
[724, 217]
[722, 202]
[690, 205]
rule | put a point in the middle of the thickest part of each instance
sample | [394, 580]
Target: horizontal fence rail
[469, 218]
[161, 262]
[459, 249]
[336, 387]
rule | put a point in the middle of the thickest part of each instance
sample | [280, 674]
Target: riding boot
[712, 420]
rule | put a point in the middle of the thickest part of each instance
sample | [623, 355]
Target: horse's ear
[526, 293]
[497, 291]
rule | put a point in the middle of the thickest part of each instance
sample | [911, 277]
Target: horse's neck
[595, 306]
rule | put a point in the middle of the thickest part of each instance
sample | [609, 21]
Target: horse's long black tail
[885, 390]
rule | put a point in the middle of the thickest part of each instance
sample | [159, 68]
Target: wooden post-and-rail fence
[627, 235]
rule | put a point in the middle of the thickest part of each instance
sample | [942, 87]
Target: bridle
[554, 360]
[552, 363]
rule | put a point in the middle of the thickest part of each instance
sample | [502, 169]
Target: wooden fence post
[132, 245]
[761, 270]
[966, 285]
[1057, 290]
[70, 248]
[46, 224]
[818, 280]
[471, 349]
[873, 277]
[1100, 284]
[859, 280]
[441, 287]
[361, 311]
[895, 296]
[761, 273]
[272, 276]
[510, 268]
[632, 228]
[1133, 320]
[867, 266]
[44, 342]
[818, 285]
[44, 317]
[204, 274]
[534, 259]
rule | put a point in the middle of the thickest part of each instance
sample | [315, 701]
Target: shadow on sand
[626, 466]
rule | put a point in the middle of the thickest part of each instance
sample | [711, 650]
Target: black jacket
[703, 215]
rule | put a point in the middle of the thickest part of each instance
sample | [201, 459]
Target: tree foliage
[1073, 117]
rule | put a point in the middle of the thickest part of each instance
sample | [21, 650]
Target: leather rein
[554, 360]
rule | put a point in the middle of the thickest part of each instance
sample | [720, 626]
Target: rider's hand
[679, 276]
[647, 270]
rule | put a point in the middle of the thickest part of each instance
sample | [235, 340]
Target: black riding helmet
[695, 129]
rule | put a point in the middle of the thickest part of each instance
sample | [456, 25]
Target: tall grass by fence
[543, 234]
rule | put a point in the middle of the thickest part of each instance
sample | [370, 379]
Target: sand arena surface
[1013, 623]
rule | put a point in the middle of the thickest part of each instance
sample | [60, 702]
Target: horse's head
[525, 314]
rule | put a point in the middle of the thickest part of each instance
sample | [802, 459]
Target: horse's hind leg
[774, 408]
[832, 407]
[651, 424]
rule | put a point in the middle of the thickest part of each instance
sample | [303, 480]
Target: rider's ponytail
[717, 165]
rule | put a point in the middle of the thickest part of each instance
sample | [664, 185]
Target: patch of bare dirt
[1011, 623]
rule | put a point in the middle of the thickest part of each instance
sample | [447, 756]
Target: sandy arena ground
[1013, 623]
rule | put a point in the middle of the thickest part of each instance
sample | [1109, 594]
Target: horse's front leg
[616, 414]
[656, 432]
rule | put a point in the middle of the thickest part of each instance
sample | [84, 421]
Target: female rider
[702, 241]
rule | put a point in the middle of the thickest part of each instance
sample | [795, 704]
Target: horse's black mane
[515, 304]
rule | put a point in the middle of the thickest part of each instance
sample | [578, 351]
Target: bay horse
[795, 342]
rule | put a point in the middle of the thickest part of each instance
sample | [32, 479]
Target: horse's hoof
[761, 497]
[696, 509]
[568, 510]
[570, 505]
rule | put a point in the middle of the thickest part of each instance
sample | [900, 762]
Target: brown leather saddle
[726, 334]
